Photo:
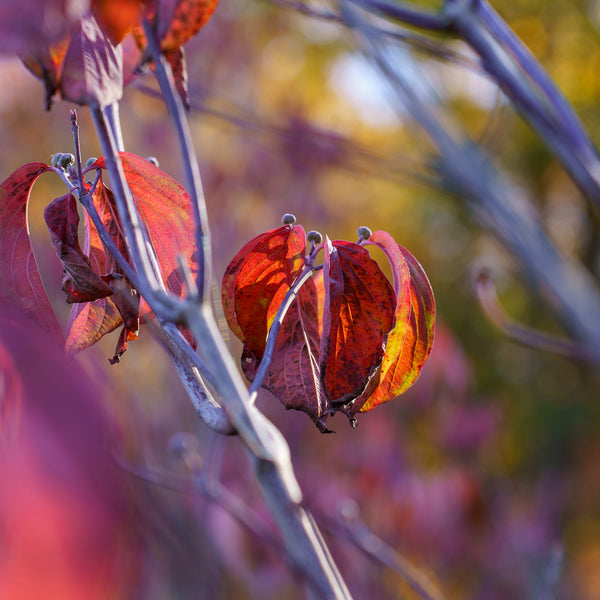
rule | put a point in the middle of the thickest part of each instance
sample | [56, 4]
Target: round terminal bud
[153, 160]
[66, 160]
[364, 233]
[55, 160]
[314, 236]
[288, 219]
[90, 161]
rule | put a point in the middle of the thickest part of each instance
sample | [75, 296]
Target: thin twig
[290, 296]
[566, 115]
[417, 17]
[547, 588]
[376, 549]
[540, 340]
[174, 105]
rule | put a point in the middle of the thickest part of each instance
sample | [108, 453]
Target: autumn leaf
[92, 72]
[20, 281]
[80, 283]
[176, 21]
[349, 340]
[89, 322]
[410, 342]
[165, 209]
[117, 17]
[358, 314]
[257, 281]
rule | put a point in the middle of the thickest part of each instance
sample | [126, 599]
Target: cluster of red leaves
[103, 298]
[349, 341]
[100, 54]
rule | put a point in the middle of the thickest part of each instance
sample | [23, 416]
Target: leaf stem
[164, 76]
[302, 278]
[76, 143]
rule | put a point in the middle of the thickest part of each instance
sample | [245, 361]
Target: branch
[547, 588]
[488, 299]
[304, 276]
[470, 175]
[164, 75]
[567, 117]
[375, 548]
[151, 284]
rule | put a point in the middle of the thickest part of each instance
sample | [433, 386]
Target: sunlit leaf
[409, 344]
[117, 17]
[257, 280]
[294, 375]
[20, 281]
[357, 316]
[176, 21]
[166, 210]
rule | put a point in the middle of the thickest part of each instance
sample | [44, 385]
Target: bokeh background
[485, 471]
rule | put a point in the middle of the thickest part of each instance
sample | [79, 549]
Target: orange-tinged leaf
[166, 210]
[179, 20]
[257, 281]
[20, 281]
[117, 17]
[409, 343]
[46, 64]
[357, 316]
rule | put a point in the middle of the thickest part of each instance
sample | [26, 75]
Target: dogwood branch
[469, 174]
[164, 75]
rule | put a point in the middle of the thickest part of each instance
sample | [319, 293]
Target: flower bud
[66, 160]
[364, 233]
[314, 237]
[90, 161]
[288, 219]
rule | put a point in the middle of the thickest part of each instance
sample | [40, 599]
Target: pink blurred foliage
[65, 527]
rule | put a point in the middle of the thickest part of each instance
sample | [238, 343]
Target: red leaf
[294, 375]
[20, 281]
[93, 67]
[80, 282]
[166, 210]
[176, 58]
[409, 344]
[357, 316]
[176, 21]
[90, 322]
[46, 63]
[257, 280]
[117, 17]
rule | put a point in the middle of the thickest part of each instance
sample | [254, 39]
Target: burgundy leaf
[93, 67]
[20, 281]
[294, 374]
[358, 315]
[80, 282]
